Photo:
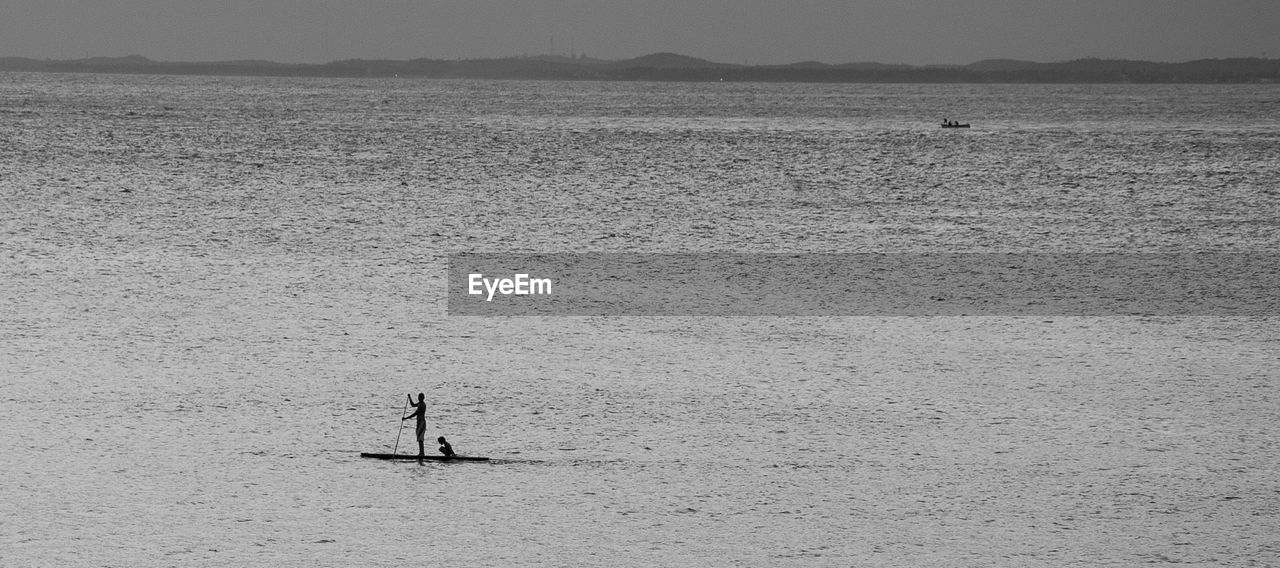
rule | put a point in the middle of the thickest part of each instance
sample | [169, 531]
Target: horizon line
[585, 58]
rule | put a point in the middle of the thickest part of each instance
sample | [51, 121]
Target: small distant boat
[415, 457]
[954, 125]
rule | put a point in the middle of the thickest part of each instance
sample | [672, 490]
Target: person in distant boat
[445, 448]
[420, 412]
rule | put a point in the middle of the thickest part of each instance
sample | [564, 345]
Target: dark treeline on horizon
[672, 67]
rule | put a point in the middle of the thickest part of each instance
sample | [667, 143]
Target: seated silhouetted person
[445, 448]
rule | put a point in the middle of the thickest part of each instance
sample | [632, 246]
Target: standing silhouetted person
[419, 412]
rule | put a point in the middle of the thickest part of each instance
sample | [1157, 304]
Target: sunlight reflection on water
[218, 290]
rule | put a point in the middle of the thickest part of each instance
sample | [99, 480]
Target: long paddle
[398, 432]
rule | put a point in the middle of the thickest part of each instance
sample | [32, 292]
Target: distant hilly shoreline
[675, 67]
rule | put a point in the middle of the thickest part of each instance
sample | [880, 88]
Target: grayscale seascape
[216, 292]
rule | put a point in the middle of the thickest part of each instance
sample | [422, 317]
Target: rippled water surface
[216, 292]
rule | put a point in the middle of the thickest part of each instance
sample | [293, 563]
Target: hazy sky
[732, 31]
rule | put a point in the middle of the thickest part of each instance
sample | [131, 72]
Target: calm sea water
[216, 292]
